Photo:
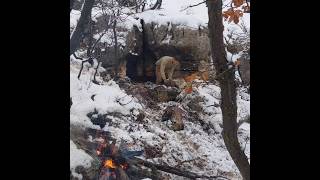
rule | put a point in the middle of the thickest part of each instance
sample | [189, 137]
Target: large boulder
[165, 94]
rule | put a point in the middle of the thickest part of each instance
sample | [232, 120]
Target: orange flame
[109, 163]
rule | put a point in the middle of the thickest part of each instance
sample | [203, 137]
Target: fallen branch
[215, 105]
[123, 104]
[186, 161]
[171, 170]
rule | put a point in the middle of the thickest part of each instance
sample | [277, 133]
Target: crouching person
[165, 68]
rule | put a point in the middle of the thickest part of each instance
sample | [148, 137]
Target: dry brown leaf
[225, 15]
[236, 19]
[238, 3]
[231, 18]
[191, 77]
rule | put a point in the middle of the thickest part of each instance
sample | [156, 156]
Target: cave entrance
[141, 68]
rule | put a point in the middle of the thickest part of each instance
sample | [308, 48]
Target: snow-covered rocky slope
[203, 146]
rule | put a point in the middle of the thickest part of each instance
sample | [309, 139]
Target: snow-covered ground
[206, 149]
[105, 99]
[78, 158]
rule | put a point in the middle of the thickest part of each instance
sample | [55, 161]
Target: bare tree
[81, 25]
[228, 88]
[90, 36]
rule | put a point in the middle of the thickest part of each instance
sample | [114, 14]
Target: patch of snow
[78, 158]
[108, 97]
[74, 17]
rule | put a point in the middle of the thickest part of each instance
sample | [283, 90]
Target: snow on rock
[78, 158]
[107, 97]
[174, 12]
[243, 106]
[177, 12]
[74, 17]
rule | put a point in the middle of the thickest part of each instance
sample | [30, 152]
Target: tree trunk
[115, 39]
[228, 88]
[157, 5]
[82, 23]
[90, 37]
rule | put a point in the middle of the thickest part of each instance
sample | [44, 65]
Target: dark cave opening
[140, 67]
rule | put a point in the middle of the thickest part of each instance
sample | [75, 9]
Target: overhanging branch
[193, 5]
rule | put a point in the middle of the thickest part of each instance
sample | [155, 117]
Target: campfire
[120, 163]
[113, 160]
[109, 163]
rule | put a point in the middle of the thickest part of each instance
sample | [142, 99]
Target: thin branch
[74, 54]
[193, 5]
[126, 103]
[157, 5]
[122, 104]
[245, 145]
[94, 76]
[215, 105]
[98, 40]
[82, 67]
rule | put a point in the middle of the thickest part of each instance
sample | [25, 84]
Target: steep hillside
[138, 115]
